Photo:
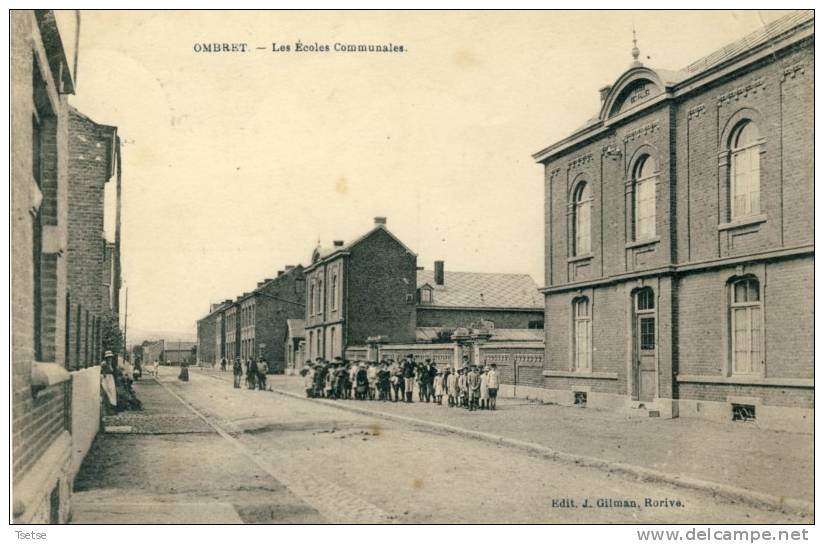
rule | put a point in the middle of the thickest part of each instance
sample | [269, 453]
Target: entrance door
[645, 329]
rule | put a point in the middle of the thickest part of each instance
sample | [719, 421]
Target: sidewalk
[774, 463]
[166, 465]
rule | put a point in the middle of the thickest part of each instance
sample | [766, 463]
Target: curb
[732, 493]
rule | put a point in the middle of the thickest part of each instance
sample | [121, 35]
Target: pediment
[633, 89]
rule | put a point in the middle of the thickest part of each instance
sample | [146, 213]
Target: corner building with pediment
[679, 239]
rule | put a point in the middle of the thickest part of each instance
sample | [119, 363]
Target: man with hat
[473, 386]
[237, 372]
[408, 366]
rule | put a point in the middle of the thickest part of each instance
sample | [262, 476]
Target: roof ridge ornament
[635, 51]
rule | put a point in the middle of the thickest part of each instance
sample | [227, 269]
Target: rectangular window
[333, 294]
[332, 341]
[745, 326]
[581, 335]
[648, 333]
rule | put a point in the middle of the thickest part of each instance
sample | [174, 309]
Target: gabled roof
[767, 33]
[321, 254]
[481, 290]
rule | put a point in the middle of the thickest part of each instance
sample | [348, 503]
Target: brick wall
[206, 341]
[272, 313]
[689, 139]
[380, 290]
[503, 319]
[89, 270]
[36, 421]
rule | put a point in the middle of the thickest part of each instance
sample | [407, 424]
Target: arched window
[645, 178]
[582, 327]
[582, 211]
[745, 326]
[745, 171]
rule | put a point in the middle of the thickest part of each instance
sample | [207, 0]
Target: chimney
[438, 272]
[380, 221]
[260, 283]
[280, 273]
[267, 280]
[604, 91]
[338, 243]
[290, 267]
[227, 301]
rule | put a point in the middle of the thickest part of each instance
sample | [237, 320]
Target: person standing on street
[484, 389]
[384, 385]
[372, 376]
[408, 377]
[262, 371]
[473, 386]
[493, 382]
[451, 388]
[223, 364]
[438, 387]
[237, 370]
[251, 371]
[309, 380]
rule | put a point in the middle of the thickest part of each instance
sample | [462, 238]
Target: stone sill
[584, 375]
[747, 380]
[44, 375]
[577, 258]
[641, 243]
[743, 222]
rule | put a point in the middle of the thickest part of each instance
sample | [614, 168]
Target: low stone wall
[85, 413]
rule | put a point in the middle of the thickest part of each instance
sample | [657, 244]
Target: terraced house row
[358, 298]
[65, 238]
[679, 239]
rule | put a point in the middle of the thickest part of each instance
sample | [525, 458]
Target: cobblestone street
[264, 457]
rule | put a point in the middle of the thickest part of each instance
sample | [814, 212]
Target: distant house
[461, 299]
[358, 290]
[176, 353]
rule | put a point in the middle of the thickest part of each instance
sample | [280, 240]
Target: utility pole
[126, 324]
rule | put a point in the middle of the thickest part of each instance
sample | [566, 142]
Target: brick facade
[93, 261]
[366, 288]
[255, 324]
[40, 386]
[686, 122]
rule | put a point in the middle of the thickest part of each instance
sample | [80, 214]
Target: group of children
[471, 387]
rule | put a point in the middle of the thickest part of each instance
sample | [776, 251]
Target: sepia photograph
[418, 267]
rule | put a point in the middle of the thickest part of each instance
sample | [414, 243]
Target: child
[438, 384]
[452, 389]
[462, 387]
[484, 389]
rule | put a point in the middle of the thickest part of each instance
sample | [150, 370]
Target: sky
[237, 164]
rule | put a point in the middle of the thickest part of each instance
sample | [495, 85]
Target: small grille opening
[580, 398]
[743, 412]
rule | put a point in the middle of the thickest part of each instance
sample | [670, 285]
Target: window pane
[646, 167]
[747, 135]
[647, 333]
[755, 337]
[646, 300]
